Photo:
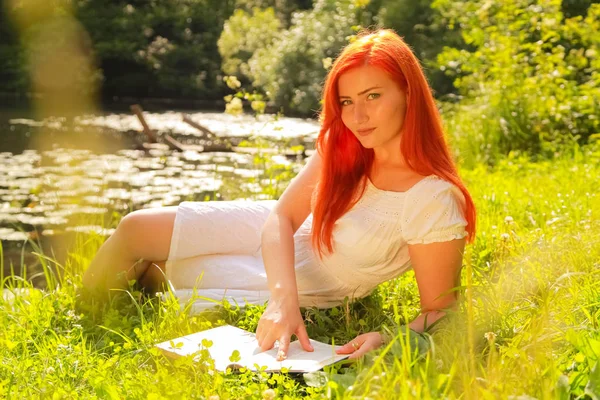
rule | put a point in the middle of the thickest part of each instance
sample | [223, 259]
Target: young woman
[380, 196]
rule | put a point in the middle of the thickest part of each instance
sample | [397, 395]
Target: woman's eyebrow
[363, 92]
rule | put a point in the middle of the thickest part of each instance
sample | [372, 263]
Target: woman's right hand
[280, 321]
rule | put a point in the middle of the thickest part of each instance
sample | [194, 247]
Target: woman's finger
[268, 341]
[259, 330]
[302, 336]
[346, 349]
[352, 346]
[361, 351]
[284, 344]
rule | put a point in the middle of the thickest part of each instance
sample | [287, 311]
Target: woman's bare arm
[282, 317]
[437, 271]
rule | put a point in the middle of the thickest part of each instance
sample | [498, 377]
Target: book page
[298, 359]
[225, 339]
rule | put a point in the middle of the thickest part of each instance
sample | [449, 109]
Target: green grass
[527, 323]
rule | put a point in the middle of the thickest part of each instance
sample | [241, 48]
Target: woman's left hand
[361, 344]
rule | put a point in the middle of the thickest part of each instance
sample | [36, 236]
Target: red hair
[346, 163]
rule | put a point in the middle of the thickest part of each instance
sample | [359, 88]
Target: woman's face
[373, 106]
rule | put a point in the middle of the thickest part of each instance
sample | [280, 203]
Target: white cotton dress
[215, 250]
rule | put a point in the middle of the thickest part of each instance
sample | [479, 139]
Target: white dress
[215, 250]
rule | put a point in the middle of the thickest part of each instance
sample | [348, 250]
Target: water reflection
[46, 193]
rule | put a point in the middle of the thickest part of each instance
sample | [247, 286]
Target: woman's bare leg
[142, 237]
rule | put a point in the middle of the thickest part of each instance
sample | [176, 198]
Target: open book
[226, 339]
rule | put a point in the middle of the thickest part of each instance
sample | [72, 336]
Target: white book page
[225, 339]
[298, 359]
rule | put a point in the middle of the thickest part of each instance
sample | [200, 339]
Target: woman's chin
[367, 144]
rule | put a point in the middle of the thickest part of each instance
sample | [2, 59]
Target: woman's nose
[360, 114]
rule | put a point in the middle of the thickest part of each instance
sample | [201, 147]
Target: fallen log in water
[261, 150]
[188, 120]
[151, 135]
[137, 110]
[215, 144]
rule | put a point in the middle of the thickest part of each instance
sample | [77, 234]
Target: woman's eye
[373, 95]
[344, 102]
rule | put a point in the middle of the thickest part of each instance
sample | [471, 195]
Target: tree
[243, 34]
[534, 72]
[14, 75]
[283, 8]
[426, 31]
[291, 70]
[158, 48]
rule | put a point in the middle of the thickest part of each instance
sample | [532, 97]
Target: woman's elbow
[275, 225]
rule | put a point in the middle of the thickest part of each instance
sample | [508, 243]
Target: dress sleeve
[434, 213]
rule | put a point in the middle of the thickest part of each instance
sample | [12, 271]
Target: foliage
[158, 48]
[243, 34]
[283, 8]
[292, 69]
[573, 8]
[13, 74]
[426, 32]
[234, 103]
[532, 77]
[40, 39]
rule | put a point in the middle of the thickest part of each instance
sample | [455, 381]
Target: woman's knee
[147, 233]
[131, 223]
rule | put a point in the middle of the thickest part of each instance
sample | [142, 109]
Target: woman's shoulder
[433, 187]
[434, 212]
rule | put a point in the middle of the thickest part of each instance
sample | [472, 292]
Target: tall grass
[527, 324]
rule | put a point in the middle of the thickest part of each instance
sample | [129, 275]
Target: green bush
[158, 49]
[283, 8]
[292, 69]
[531, 82]
[243, 34]
[426, 32]
[13, 74]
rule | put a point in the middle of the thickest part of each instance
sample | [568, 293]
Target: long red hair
[346, 163]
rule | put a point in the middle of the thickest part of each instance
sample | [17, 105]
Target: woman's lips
[365, 132]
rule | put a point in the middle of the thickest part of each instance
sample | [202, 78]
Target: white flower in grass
[268, 394]
[489, 336]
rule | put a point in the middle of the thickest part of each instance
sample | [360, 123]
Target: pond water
[61, 177]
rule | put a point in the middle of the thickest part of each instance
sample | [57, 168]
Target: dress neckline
[394, 193]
